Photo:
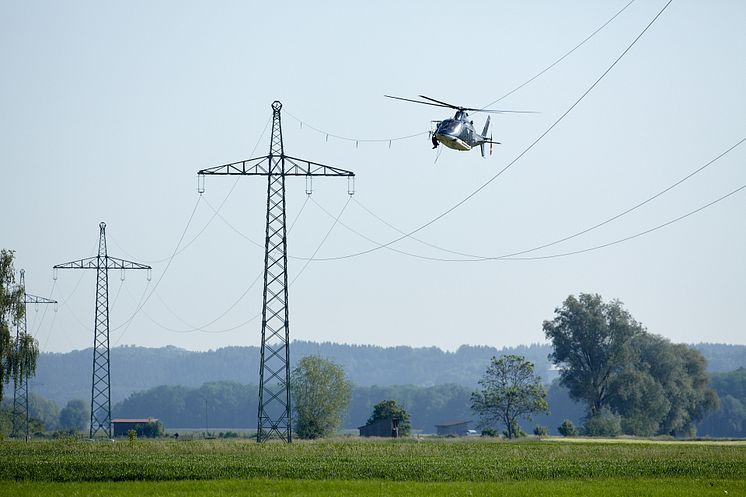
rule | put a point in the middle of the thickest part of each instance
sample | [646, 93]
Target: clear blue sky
[108, 109]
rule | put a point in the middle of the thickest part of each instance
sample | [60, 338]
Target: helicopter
[458, 132]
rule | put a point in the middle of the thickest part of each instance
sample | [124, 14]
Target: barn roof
[134, 420]
[455, 422]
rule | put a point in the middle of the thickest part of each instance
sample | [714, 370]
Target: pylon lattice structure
[274, 416]
[101, 382]
[21, 377]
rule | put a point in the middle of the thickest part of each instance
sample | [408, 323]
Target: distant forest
[232, 405]
[190, 389]
[66, 376]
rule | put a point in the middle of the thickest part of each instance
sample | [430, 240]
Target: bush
[517, 431]
[567, 429]
[541, 431]
[489, 432]
[132, 434]
[603, 424]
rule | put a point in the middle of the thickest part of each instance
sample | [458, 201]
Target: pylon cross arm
[302, 167]
[109, 263]
[248, 167]
[33, 299]
[294, 167]
[87, 263]
[115, 263]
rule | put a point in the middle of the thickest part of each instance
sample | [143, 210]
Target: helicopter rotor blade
[500, 111]
[446, 104]
[488, 111]
[416, 101]
[439, 103]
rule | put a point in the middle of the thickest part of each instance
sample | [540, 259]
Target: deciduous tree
[510, 390]
[321, 395]
[75, 416]
[589, 338]
[12, 310]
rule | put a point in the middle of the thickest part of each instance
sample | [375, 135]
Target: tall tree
[663, 389]
[321, 395]
[75, 416]
[12, 310]
[589, 338]
[510, 390]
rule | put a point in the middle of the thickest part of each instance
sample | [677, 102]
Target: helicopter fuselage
[458, 133]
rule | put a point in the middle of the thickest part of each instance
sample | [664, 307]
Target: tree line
[65, 376]
[626, 379]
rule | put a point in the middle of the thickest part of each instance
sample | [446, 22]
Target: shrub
[489, 432]
[132, 434]
[603, 424]
[541, 431]
[567, 429]
[517, 431]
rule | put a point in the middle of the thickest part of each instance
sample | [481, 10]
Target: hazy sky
[108, 109]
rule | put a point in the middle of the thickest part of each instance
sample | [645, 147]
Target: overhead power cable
[568, 237]
[514, 257]
[202, 329]
[528, 81]
[515, 160]
[631, 237]
[357, 140]
[563, 57]
[323, 240]
[209, 221]
[181, 239]
[163, 273]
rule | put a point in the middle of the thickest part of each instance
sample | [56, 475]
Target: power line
[528, 81]
[563, 57]
[512, 257]
[568, 237]
[357, 140]
[323, 240]
[215, 213]
[165, 270]
[202, 329]
[516, 159]
[636, 235]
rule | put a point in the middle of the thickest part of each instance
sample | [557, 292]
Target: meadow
[352, 466]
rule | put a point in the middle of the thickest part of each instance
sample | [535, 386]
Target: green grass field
[373, 467]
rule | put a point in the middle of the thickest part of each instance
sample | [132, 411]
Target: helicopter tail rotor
[484, 134]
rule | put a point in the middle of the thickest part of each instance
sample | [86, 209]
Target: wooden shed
[386, 427]
[457, 427]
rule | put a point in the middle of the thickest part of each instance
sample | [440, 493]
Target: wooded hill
[65, 376]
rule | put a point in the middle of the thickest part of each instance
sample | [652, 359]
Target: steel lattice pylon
[21, 378]
[274, 416]
[101, 381]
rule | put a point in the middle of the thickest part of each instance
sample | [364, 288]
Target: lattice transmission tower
[21, 379]
[101, 382]
[274, 370]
